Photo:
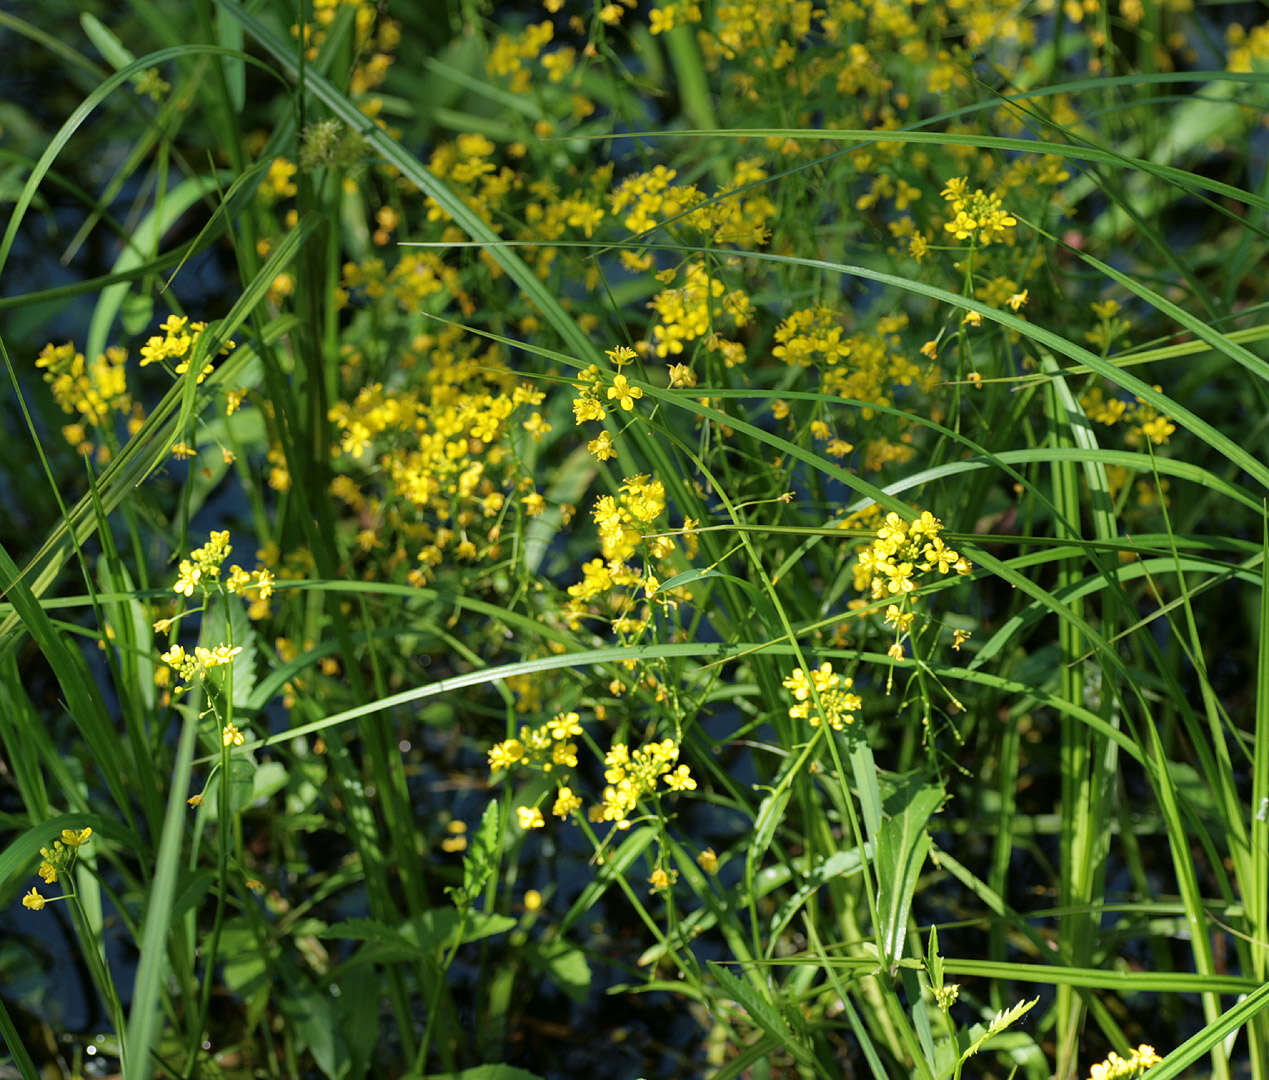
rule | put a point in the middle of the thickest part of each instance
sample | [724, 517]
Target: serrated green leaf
[760, 1011]
[998, 1024]
[480, 859]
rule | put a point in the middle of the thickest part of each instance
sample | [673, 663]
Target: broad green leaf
[901, 851]
[484, 1072]
[311, 1014]
[427, 934]
[770, 814]
[225, 622]
[564, 964]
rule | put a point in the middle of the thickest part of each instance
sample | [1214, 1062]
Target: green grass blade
[1206, 1041]
[152, 966]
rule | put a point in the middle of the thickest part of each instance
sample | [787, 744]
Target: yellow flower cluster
[204, 564]
[411, 281]
[175, 346]
[545, 748]
[444, 447]
[589, 403]
[58, 859]
[978, 215]
[811, 336]
[93, 391]
[702, 303]
[624, 523]
[509, 53]
[1145, 421]
[1110, 327]
[892, 565]
[1246, 47]
[1118, 1068]
[833, 700]
[879, 364]
[373, 44]
[650, 197]
[484, 186]
[369, 415]
[623, 519]
[192, 667]
[466, 159]
[277, 182]
[631, 775]
[202, 571]
[752, 26]
[733, 217]
[902, 551]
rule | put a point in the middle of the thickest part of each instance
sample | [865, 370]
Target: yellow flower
[625, 394]
[564, 726]
[537, 426]
[681, 376]
[505, 754]
[901, 620]
[661, 20]
[680, 780]
[231, 736]
[621, 355]
[565, 803]
[74, 838]
[34, 900]
[707, 860]
[530, 817]
[601, 447]
[187, 578]
[586, 408]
